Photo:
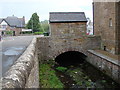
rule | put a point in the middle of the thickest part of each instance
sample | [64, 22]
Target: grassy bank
[48, 78]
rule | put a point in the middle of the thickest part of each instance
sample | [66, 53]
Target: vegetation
[48, 78]
[38, 33]
[26, 32]
[62, 69]
[37, 26]
[80, 78]
[45, 25]
[9, 32]
[34, 23]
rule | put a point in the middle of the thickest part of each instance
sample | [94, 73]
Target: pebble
[89, 80]
[61, 76]
[76, 72]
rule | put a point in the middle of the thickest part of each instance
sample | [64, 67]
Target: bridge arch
[63, 50]
[70, 58]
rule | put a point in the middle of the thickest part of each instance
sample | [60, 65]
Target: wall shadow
[70, 58]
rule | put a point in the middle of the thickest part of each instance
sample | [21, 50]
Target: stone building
[68, 24]
[67, 32]
[12, 23]
[107, 25]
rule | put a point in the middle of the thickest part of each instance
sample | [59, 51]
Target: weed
[48, 78]
[62, 69]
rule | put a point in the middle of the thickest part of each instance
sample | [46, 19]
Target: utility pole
[21, 28]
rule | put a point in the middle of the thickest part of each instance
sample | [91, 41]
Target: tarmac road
[11, 49]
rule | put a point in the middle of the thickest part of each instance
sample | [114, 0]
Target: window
[3, 27]
[110, 22]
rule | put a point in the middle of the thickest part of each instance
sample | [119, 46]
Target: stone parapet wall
[107, 65]
[44, 48]
[49, 47]
[92, 42]
[24, 73]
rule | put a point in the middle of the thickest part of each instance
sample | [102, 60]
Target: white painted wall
[89, 27]
[3, 25]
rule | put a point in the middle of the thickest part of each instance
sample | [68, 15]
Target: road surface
[12, 48]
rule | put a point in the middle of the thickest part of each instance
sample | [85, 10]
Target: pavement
[11, 48]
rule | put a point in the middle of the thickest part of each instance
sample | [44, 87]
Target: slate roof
[67, 17]
[1, 20]
[13, 21]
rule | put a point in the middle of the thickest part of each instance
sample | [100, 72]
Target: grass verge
[48, 78]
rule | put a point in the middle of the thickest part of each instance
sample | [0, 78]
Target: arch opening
[70, 58]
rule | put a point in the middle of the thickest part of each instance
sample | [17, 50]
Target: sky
[26, 8]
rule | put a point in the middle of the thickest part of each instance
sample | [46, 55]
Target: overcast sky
[26, 8]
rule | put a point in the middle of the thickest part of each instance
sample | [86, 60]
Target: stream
[84, 76]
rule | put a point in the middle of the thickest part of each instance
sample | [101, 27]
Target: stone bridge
[25, 72]
[68, 33]
[64, 37]
[49, 48]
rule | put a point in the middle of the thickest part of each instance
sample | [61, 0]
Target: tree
[45, 25]
[34, 23]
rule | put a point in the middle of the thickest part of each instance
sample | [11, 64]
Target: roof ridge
[66, 12]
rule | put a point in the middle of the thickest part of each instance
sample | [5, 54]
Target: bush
[38, 33]
[9, 32]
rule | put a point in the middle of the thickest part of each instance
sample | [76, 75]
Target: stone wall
[50, 48]
[24, 73]
[105, 14]
[64, 37]
[44, 48]
[106, 64]
[118, 27]
[68, 30]
[67, 37]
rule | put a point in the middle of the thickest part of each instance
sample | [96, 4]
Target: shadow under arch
[70, 58]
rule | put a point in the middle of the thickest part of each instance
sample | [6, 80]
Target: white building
[89, 27]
